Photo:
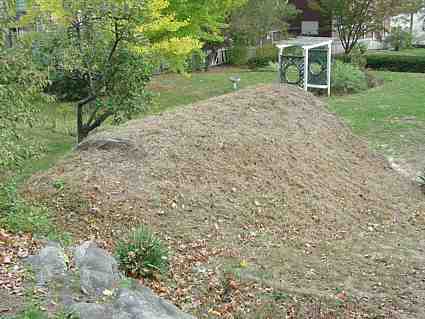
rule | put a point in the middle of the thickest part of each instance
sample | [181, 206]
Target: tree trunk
[82, 134]
[412, 16]
[79, 122]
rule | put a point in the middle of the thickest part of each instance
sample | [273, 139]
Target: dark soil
[263, 185]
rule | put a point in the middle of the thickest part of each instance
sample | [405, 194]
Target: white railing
[220, 57]
[369, 42]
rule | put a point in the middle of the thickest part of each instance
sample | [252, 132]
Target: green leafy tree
[21, 86]
[208, 20]
[355, 18]
[106, 49]
[256, 18]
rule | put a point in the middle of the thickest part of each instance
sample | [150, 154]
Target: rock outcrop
[100, 293]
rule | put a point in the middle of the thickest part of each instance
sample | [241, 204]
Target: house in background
[14, 33]
[311, 22]
[418, 29]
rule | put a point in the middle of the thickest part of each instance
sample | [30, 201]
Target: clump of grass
[142, 254]
[33, 311]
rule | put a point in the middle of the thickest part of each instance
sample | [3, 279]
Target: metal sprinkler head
[235, 80]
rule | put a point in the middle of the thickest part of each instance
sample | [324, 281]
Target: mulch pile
[264, 184]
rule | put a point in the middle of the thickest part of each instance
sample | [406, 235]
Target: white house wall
[418, 26]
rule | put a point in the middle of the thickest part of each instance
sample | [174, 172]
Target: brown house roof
[308, 14]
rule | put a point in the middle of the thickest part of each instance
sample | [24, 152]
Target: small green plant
[59, 184]
[279, 296]
[142, 254]
[348, 78]
[32, 312]
[64, 238]
[18, 216]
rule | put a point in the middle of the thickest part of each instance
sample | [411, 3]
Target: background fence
[369, 42]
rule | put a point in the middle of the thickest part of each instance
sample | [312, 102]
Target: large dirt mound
[264, 175]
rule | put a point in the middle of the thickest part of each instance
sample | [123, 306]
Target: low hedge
[396, 62]
[264, 56]
[238, 55]
[259, 62]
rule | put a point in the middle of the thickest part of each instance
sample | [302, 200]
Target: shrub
[142, 254]
[258, 62]
[268, 51]
[399, 39]
[197, 62]
[348, 78]
[21, 85]
[357, 56]
[396, 62]
[238, 55]
[264, 56]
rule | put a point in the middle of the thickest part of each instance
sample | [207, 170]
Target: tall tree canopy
[256, 18]
[355, 18]
[206, 18]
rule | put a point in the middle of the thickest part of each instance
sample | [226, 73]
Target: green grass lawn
[391, 117]
[173, 90]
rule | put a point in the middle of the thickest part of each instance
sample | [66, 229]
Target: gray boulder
[98, 270]
[144, 304]
[91, 311]
[50, 264]
[105, 143]
[96, 282]
[89, 256]
[80, 251]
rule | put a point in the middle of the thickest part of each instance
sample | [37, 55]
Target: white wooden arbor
[308, 44]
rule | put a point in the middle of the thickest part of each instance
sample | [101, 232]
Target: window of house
[310, 27]
[20, 6]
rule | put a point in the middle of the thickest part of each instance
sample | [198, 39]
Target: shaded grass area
[53, 131]
[50, 134]
[391, 117]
